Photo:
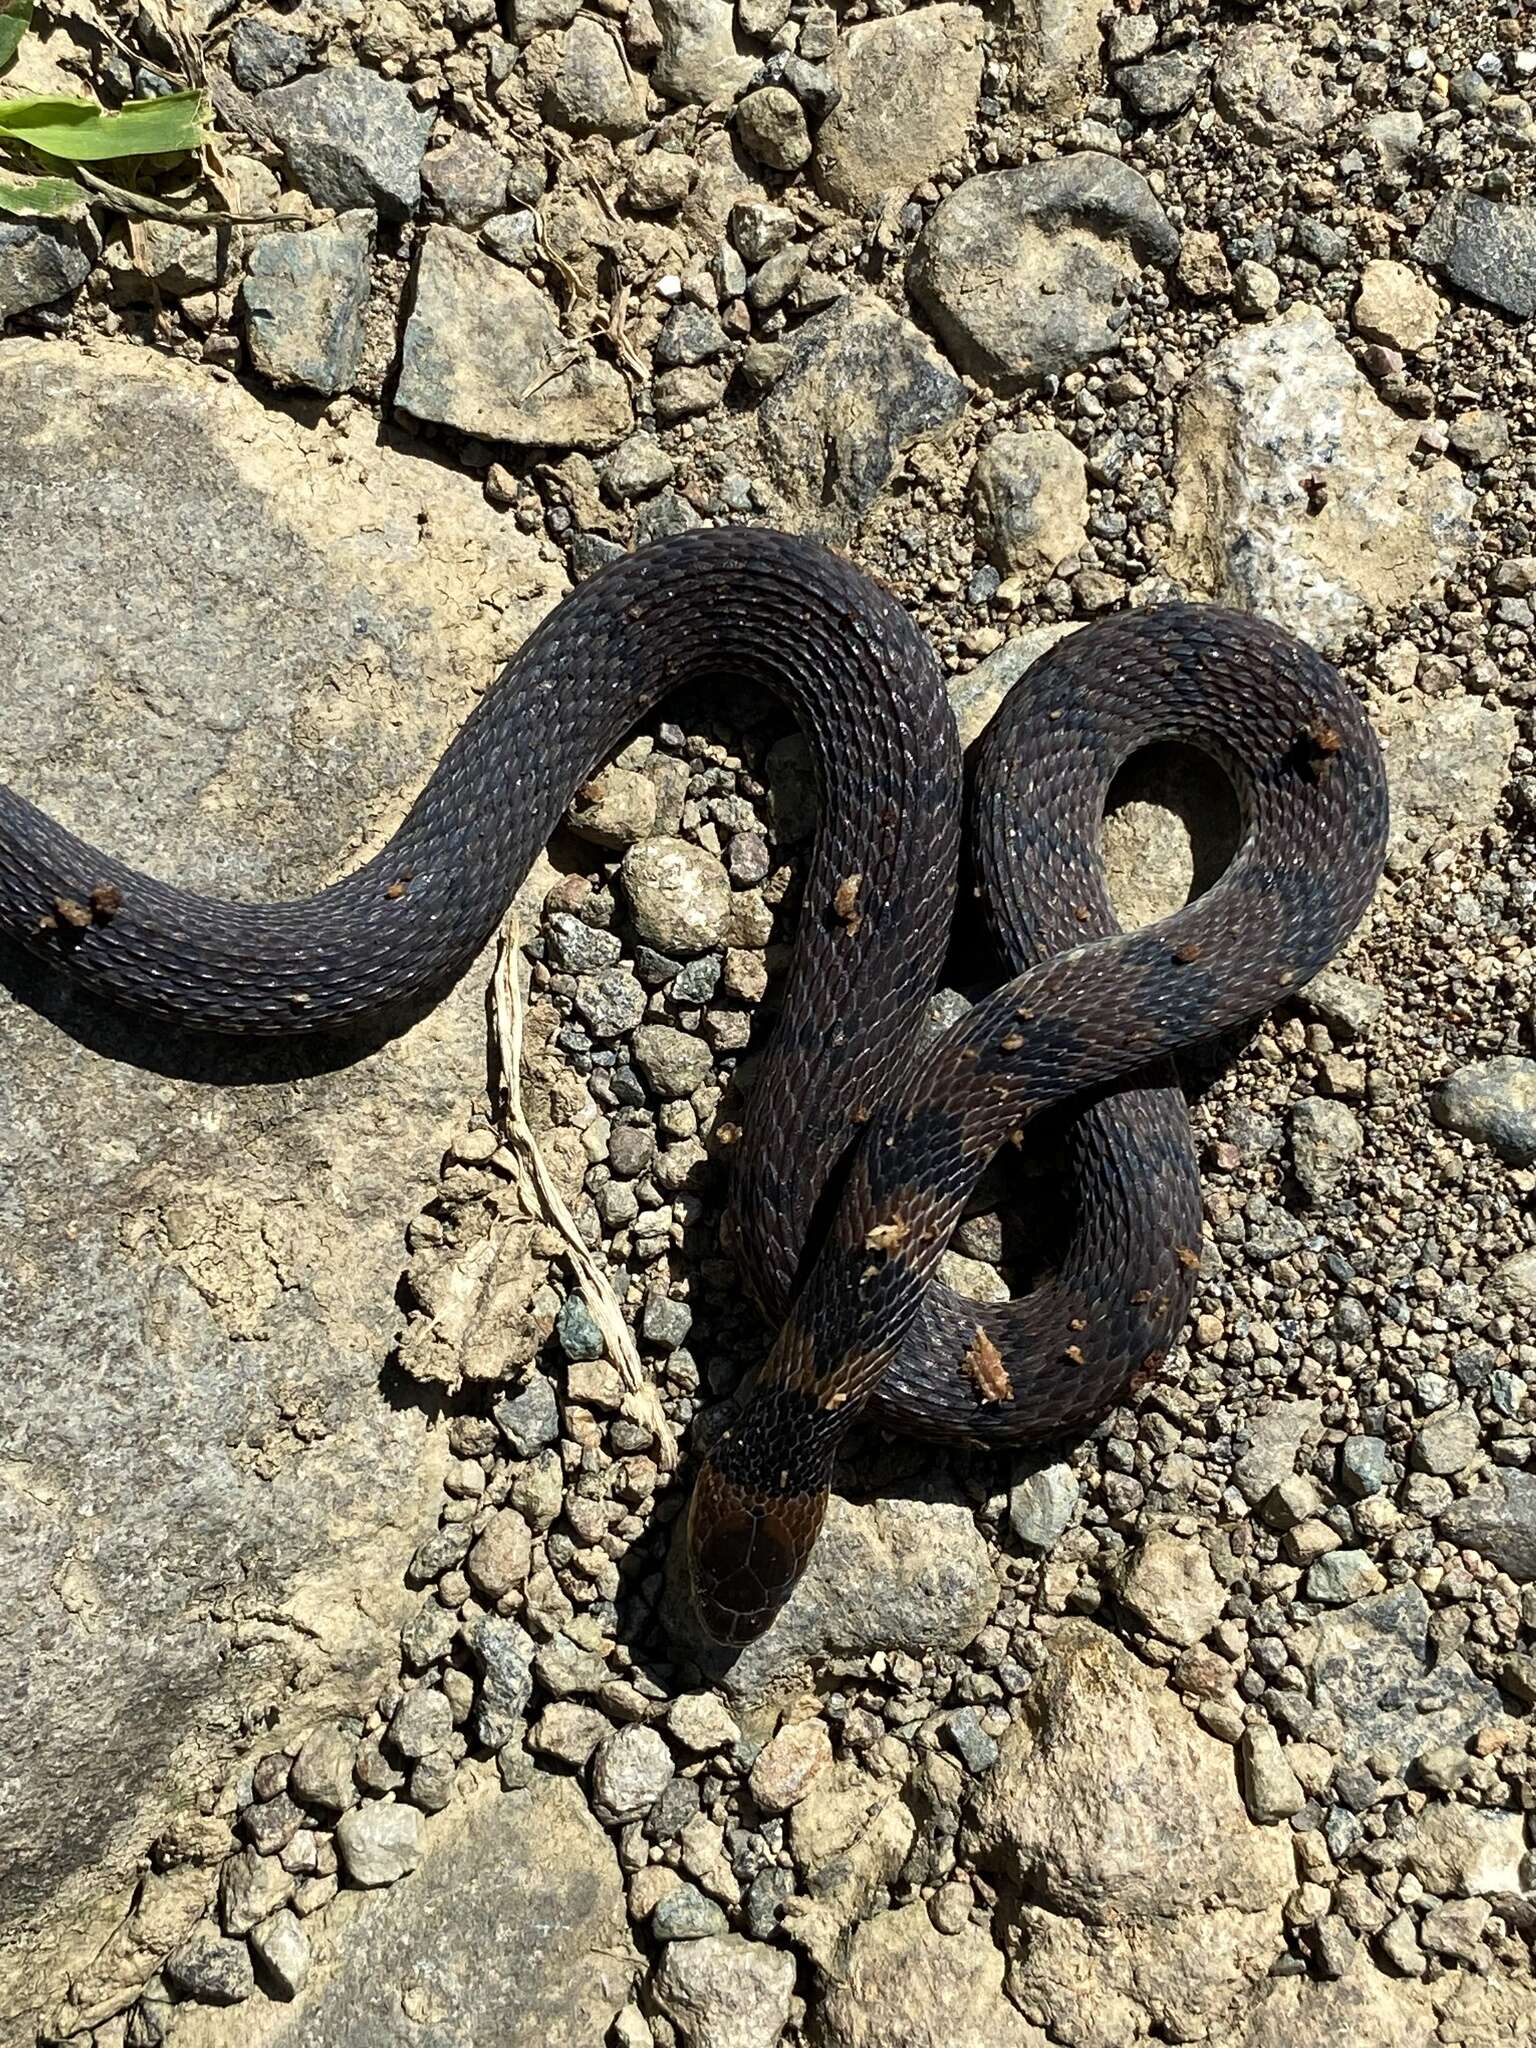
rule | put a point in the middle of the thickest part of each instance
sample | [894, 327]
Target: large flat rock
[231, 646]
[512, 1931]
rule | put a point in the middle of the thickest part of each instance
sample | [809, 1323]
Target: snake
[860, 1140]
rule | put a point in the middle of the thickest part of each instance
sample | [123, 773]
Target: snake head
[745, 1554]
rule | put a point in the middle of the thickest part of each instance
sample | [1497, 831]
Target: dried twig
[183, 216]
[642, 1403]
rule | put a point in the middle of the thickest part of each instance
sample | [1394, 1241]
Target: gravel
[1034, 325]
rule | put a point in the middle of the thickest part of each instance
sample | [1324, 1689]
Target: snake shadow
[177, 1054]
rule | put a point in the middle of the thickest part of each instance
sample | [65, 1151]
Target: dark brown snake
[864, 1329]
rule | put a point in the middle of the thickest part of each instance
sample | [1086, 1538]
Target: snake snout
[744, 1558]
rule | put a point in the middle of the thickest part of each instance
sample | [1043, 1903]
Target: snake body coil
[863, 1326]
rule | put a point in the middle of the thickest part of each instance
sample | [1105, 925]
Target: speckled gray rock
[303, 299]
[351, 138]
[726, 1992]
[672, 1062]
[423, 1721]
[529, 1419]
[41, 261]
[771, 125]
[512, 1929]
[679, 895]
[322, 1770]
[1493, 1103]
[1485, 247]
[251, 1887]
[466, 180]
[699, 61]
[1372, 1668]
[280, 1949]
[1325, 1137]
[177, 719]
[262, 56]
[1024, 273]
[503, 1656]
[898, 1574]
[631, 1769]
[1499, 1521]
[479, 347]
[211, 1969]
[861, 387]
[594, 90]
[1271, 91]
[378, 1843]
[1271, 406]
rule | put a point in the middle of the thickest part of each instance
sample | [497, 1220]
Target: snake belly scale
[863, 1326]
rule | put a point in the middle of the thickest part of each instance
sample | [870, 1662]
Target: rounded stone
[630, 1770]
[771, 125]
[1493, 1102]
[787, 1766]
[679, 896]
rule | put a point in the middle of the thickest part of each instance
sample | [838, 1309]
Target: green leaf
[14, 16]
[79, 132]
[38, 198]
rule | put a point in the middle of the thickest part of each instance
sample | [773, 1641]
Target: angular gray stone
[466, 180]
[679, 895]
[379, 1843]
[503, 1655]
[1271, 1790]
[1325, 1137]
[672, 1062]
[1042, 1503]
[631, 1768]
[909, 88]
[862, 386]
[484, 353]
[1271, 92]
[1485, 247]
[1031, 493]
[303, 300]
[264, 594]
[594, 90]
[1499, 1522]
[699, 62]
[250, 1888]
[1025, 272]
[512, 1930]
[351, 138]
[280, 1948]
[211, 1969]
[262, 56]
[322, 1774]
[40, 261]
